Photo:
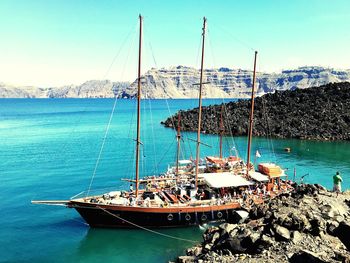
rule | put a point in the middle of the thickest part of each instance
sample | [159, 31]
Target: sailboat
[217, 164]
[188, 203]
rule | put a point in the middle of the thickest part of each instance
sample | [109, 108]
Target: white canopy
[218, 180]
[185, 162]
[258, 176]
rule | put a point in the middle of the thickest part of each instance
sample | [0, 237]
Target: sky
[60, 42]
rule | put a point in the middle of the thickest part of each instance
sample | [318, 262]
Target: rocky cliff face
[319, 113]
[178, 82]
[89, 89]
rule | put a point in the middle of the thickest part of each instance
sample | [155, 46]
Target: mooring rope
[146, 229]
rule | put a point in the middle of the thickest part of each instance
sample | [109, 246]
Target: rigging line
[64, 148]
[131, 153]
[128, 54]
[211, 47]
[268, 124]
[198, 53]
[133, 112]
[133, 30]
[150, 45]
[154, 59]
[146, 229]
[269, 133]
[171, 145]
[226, 114]
[226, 120]
[153, 138]
[102, 146]
[171, 117]
[243, 43]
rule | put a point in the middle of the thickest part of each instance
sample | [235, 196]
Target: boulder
[333, 208]
[240, 216]
[226, 228]
[208, 235]
[296, 237]
[343, 233]
[317, 226]
[331, 227]
[282, 233]
[300, 222]
[186, 259]
[305, 256]
[235, 245]
[215, 237]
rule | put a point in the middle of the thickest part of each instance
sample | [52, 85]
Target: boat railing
[95, 192]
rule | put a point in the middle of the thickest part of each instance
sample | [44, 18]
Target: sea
[53, 149]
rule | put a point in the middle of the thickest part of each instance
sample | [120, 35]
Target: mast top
[204, 24]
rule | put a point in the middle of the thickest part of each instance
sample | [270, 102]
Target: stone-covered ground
[318, 113]
[310, 224]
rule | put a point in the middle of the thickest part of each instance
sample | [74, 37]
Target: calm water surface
[49, 148]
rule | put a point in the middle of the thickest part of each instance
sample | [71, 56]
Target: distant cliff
[178, 82]
[320, 113]
[89, 89]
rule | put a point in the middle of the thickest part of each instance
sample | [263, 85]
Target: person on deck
[337, 180]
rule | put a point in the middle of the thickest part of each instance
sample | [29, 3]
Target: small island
[316, 113]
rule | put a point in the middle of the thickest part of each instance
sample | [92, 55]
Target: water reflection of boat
[102, 245]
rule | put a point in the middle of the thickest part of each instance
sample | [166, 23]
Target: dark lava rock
[300, 227]
[306, 257]
[318, 113]
[343, 233]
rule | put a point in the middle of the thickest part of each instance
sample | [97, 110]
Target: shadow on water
[127, 245]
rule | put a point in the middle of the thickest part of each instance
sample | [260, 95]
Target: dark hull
[114, 218]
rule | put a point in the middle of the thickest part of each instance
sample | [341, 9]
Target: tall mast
[250, 132]
[138, 142]
[200, 102]
[221, 129]
[178, 137]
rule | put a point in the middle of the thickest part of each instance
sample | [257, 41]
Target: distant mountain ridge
[177, 82]
[89, 89]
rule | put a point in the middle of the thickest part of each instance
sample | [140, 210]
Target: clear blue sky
[57, 42]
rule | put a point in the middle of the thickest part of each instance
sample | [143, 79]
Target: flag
[257, 154]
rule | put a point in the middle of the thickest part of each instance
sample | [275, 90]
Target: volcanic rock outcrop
[310, 224]
[319, 113]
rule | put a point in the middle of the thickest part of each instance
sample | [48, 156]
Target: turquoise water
[49, 149]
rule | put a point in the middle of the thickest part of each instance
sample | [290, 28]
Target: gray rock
[197, 251]
[208, 246]
[296, 237]
[254, 237]
[227, 227]
[282, 233]
[240, 216]
[186, 259]
[305, 256]
[215, 237]
[331, 227]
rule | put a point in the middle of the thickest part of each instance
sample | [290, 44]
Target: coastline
[309, 224]
[317, 113]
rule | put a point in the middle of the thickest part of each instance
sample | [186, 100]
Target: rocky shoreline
[318, 113]
[309, 224]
